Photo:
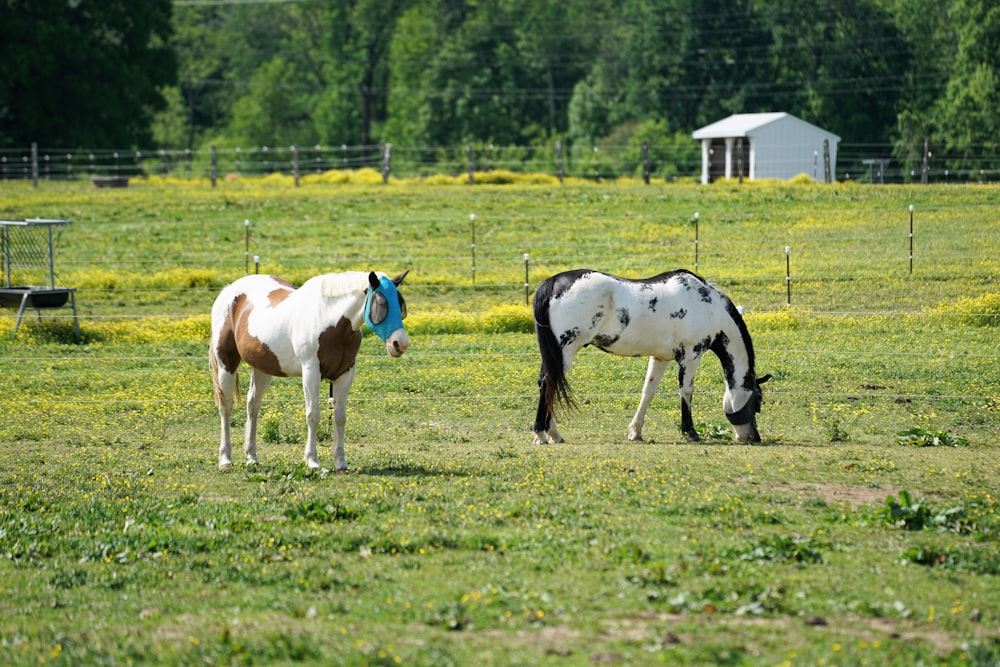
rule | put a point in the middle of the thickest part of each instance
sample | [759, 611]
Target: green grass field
[863, 530]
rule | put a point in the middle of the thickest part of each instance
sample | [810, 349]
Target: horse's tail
[553, 373]
[213, 362]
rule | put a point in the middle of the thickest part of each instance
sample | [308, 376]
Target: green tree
[478, 87]
[170, 128]
[83, 74]
[637, 70]
[926, 27]
[274, 112]
[966, 117]
[354, 68]
[685, 61]
[499, 71]
[556, 39]
[726, 67]
[840, 65]
[416, 39]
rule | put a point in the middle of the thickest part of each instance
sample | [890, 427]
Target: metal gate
[27, 253]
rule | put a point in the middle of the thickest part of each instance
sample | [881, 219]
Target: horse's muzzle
[397, 343]
[747, 432]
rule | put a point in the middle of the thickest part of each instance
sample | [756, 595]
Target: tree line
[591, 74]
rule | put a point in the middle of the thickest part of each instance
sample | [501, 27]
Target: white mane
[333, 285]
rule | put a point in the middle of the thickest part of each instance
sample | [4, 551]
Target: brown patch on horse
[276, 296]
[338, 349]
[253, 350]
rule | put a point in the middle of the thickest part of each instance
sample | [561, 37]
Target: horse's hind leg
[259, 382]
[545, 422]
[225, 388]
[654, 373]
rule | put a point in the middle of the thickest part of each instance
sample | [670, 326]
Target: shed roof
[743, 124]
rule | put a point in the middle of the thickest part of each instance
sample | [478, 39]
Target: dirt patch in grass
[683, 629]
[847, 494]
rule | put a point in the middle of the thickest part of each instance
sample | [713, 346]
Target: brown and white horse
[313, 332]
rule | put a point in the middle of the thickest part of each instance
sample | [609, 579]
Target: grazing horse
[313, 332]
[673, 316]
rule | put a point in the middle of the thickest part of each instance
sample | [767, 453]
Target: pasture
[862, 530]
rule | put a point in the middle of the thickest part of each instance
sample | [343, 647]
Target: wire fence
[866, 163]
[110, 365]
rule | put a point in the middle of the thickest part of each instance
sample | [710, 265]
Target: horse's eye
[379, 309]
[402, 306]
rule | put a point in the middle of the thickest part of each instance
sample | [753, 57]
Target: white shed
[766, 145]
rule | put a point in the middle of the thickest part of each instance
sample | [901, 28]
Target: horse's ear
[398, 279]
[764, 379]
[373, 280]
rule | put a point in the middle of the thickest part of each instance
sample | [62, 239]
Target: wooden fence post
[645, 162]
[927, 158]
[827, 177]
[739, 159]
[468, 158]
[559, 160]
[295, 164]
[34, 164]
[386, 163]
[214, 173]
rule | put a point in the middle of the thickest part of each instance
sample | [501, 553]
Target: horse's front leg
[341, 387]
[654, 373]
[259, 382]
[310, 388]
[685, 378]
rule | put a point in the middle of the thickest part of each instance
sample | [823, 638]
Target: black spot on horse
[596, 319]
[678, 314]
[567, 337]
[679, 354]
[652, 303]
[705, 294]
[702, 345]
[624, 317]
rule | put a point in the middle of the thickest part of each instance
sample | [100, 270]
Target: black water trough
[38, 297]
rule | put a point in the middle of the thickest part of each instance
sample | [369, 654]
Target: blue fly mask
[385, 308]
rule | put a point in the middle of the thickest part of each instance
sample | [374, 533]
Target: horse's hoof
[693, 437]
[541, 439]
[343, 471]
[225, 465]
[635, 437]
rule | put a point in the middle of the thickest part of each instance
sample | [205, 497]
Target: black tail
[552, 379]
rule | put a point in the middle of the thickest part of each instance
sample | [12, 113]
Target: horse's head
[385, 310]
[744, 420]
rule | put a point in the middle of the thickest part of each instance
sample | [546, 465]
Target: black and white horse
[673, 316]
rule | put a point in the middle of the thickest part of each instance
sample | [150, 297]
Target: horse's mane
[744, 332]
[734, 313]
[333, 285]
